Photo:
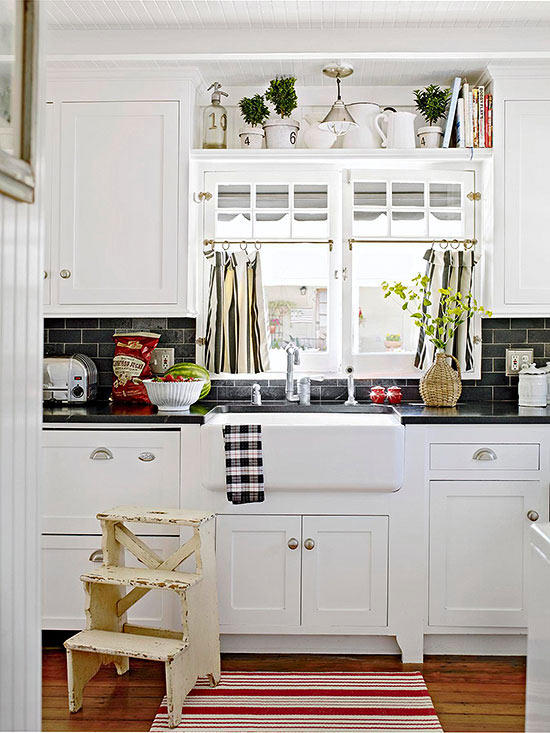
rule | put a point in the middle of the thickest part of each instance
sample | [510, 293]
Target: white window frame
[313, 363]
[395, 364]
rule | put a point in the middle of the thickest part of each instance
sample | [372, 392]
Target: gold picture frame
[18, 97]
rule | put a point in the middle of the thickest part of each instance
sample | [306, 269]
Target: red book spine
[490, 121]
[486, 131]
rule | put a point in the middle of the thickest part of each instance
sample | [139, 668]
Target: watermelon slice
[186, 369]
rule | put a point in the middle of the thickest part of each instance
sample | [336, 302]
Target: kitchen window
[384, 213]
[329, 299]
[295, 215]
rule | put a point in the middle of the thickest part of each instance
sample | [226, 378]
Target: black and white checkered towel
[244, 464]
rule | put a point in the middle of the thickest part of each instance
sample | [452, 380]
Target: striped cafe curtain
[236, 329]
[448, 269]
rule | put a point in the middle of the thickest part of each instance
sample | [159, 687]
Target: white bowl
[173, 396]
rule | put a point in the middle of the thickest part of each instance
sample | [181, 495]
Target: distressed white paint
[20, 418]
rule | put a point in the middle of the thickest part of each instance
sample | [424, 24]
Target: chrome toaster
[69, 378]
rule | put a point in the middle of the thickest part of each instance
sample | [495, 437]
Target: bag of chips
[131, 365]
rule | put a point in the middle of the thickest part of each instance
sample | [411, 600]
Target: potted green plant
[393, 341]
[281, 130]
[254, 112]
[431, 102]
[440, 385]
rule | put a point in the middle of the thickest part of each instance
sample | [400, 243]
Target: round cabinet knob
[96, 556]
[65, 274]
[292, 543]
[309, 544]
[532, 515]
[146, 457]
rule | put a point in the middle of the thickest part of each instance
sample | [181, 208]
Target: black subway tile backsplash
[93, 337]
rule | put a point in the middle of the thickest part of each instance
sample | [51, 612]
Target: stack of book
[470, 117]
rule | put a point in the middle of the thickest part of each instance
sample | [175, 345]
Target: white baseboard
[470, 644]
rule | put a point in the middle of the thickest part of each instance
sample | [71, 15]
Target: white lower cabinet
[345, 574]
[258, 572]
[291, 571]
[88, 471]
[478, 550]
[66, 557]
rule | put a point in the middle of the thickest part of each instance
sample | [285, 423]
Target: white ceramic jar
[532, 387]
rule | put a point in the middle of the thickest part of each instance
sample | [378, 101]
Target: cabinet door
[86, 471]
[66, 557]
[526, 210]
[478, 550]
[47, 184]
[118, 203]
[258, 573]
[345, 573]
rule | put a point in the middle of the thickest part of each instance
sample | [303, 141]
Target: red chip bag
[131, 365]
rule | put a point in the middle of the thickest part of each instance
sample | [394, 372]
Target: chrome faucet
[292, 359]
[351, 389]
[257, 395]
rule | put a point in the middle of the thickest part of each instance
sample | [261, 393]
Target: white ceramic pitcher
[365, 134]
[399, 129]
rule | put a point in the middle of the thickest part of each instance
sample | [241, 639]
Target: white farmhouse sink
[314, 451]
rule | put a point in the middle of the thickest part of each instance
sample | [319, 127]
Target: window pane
[232, 225]
[295, 283]
[408, 223]
[445, 194]
[380, 324]
[369, 194]
[370, 223]
[272, 197]
[314, 225]
[274, 225]
[407, 194]
[233, 196]
[310, 196]
[447, 224]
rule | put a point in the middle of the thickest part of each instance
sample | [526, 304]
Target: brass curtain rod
[443, 243]
[257, 243]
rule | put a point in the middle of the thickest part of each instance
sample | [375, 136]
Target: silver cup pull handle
[101, 454]
[484, 454]
[96, 556]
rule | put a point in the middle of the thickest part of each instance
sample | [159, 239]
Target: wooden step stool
[109, 639]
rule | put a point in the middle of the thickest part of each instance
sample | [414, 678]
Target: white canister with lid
[532, 387]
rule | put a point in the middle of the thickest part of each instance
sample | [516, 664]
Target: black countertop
[200, 413]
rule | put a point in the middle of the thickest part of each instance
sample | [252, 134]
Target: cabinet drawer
[485, 456]
[87, 471]
[66, 557]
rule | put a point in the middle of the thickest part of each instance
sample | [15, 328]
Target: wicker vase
[440, 386]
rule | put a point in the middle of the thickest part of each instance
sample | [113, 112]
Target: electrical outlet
[516, 359]
[161, 360]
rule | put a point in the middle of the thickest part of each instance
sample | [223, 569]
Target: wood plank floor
[469, 693]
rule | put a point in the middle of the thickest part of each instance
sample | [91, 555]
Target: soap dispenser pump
[215, 120]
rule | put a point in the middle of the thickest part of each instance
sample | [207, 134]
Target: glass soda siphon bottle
[215, 120]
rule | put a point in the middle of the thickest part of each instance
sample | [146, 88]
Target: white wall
[20, 421]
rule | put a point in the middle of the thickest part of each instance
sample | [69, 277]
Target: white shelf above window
[332, 154]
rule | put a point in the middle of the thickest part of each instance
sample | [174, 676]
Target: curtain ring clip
[455, 244]
[257, 246]
[244, 246]
[225, 246]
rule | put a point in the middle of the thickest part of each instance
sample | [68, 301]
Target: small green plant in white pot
[254, 112]
[432, 103]
[281, 130]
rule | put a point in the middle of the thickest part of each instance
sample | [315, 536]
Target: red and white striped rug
[297, 702]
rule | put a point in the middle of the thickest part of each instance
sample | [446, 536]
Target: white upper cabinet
[119, 203]
[527, 192]
[520, 261]
[119, 175]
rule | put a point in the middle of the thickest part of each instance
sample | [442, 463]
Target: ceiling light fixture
[338, 120]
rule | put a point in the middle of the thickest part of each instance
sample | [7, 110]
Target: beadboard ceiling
[294, 14]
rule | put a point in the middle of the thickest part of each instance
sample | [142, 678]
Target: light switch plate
[161, 360]
[516, 359]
